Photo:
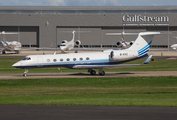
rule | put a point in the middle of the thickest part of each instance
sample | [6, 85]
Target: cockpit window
[26, 58]
[29, 58]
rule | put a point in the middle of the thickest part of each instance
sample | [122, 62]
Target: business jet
[98, 60]
[9, 46]
[123, 43]
[174, 46]
[15, 46]
[69, 45]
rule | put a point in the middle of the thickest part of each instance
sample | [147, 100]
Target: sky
[88, 2]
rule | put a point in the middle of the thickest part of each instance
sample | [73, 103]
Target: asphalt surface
[18, 112]
[85, 75]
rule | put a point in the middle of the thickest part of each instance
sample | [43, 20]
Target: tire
[93, 72]
[102, 74]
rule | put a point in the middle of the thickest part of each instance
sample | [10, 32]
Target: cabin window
[48, 60]
[87, 58]
[68, 59]
[61, 59]
[81, 59]
[55, 60]
[74, 59]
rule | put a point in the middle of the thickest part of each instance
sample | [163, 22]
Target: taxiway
[86, 75]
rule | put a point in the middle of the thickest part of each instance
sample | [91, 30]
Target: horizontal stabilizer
[74, 31]
[147, 60]
[122, 33]
[7, 33]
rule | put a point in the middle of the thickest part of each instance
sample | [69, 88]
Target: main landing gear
[101, 72]
[17, 52]
[93, 72]
[3, 52]
[25, 73]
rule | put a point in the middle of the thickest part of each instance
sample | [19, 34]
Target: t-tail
[73, 36]
[143, 42]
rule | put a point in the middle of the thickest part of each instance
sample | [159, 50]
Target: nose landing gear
[25, 73]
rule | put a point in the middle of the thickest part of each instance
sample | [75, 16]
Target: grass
[128, 91]
[123, 91]
[157, 65]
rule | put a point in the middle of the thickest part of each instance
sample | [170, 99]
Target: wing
[24, 49]
[95, 49]
[102, 66]
[73, 49]
[111, 66]
[1, 49]
[88, 49]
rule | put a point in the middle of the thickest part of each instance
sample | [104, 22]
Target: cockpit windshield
[26, 58]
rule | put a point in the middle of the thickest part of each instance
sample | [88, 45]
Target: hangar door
[27, 35]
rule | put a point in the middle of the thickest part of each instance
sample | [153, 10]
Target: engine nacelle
[119, 43]
[78, 42]
[64, 41]
[131, 42]
[123, 55]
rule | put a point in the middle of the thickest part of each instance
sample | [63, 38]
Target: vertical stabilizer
[143, 42]
[73, 36]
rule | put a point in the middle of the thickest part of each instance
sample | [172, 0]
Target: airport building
[43, 26]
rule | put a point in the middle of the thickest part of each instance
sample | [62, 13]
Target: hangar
[42, 26]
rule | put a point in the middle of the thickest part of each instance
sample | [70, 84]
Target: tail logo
[143, 51]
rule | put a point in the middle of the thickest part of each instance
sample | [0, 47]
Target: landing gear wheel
[93, 72]
[3, 52]
[16, 52]
[24, 74]
[102, 73]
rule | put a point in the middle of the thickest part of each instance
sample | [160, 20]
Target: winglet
[147, 60]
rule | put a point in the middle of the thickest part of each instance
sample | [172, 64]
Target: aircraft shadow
[124, 73]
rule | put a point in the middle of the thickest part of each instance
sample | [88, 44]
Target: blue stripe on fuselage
[144, 50]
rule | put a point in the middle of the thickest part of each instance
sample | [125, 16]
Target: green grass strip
[123, 91]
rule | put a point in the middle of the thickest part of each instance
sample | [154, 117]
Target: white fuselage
[11, 46]
[72, 59]
[174, 46]
[67, 46]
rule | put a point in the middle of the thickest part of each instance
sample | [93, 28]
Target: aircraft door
[40, 62]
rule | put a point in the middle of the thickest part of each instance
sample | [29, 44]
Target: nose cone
[16, 65]
[174, 46]
[63, 48]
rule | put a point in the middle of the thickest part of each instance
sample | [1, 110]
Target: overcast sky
[87, 2]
